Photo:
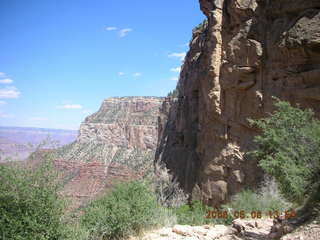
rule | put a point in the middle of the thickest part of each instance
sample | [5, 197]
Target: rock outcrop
[123, 131]
[244, 54]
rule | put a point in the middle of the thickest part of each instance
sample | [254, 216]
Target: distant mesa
[123, 130]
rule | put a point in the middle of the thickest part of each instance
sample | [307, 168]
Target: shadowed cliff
[247, 52]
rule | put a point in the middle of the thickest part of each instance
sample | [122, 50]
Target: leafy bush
[266, 199]
[249, 201]
[75, 231]
[128, 209]
[246, 201]
[30, 207]
[193, 214]
[289, 150]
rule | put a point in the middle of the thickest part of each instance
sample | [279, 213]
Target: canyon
[123, 131]
[246, 53]
[192, 147]
[115, 144]
[242, 57]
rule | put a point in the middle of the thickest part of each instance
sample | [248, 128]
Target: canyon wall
[247, 52]
[123, 131]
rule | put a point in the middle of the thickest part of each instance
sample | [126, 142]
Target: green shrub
[30, 207]
[289, 150]
[128, 209]
[249, 201]
[193, 214]
[75, 231]
[246, 201]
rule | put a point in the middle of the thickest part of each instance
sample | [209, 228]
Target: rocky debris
[281, 226]
[246, 53]
[309, 231]
[253, 229]
[241, 229]
[187, 232]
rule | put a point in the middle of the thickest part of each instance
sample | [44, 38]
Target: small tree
[128, 209]
[30, 206]
[289, 150]
[174, 93]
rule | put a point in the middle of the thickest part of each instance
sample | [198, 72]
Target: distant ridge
[15, 141]
[40, 129]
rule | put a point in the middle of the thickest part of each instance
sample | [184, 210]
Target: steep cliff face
[123, 131]
[246, 53]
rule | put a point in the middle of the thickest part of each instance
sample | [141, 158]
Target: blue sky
[60, 58]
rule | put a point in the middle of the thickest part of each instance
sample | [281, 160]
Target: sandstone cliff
[247, 52]
[123, 131]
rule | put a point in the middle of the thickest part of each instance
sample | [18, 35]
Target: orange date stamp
[224, 214]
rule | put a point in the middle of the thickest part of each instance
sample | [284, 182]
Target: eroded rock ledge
[248, 52]
[124, 131]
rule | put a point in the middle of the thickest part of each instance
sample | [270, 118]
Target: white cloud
[6, 115]
[6, 81]
[120, 73]
[9, 92]
[124, 32]
[174, 78]
[3, 102]
[137, 74]
[2, 74]
[38, 119]
[177, 69]
[177, 55]
[70, 106]
[111, 28]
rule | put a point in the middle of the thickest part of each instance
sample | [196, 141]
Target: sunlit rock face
[246, 53]
[124, 131]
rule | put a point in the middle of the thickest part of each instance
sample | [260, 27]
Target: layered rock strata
[123, 131]
[246, 53]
